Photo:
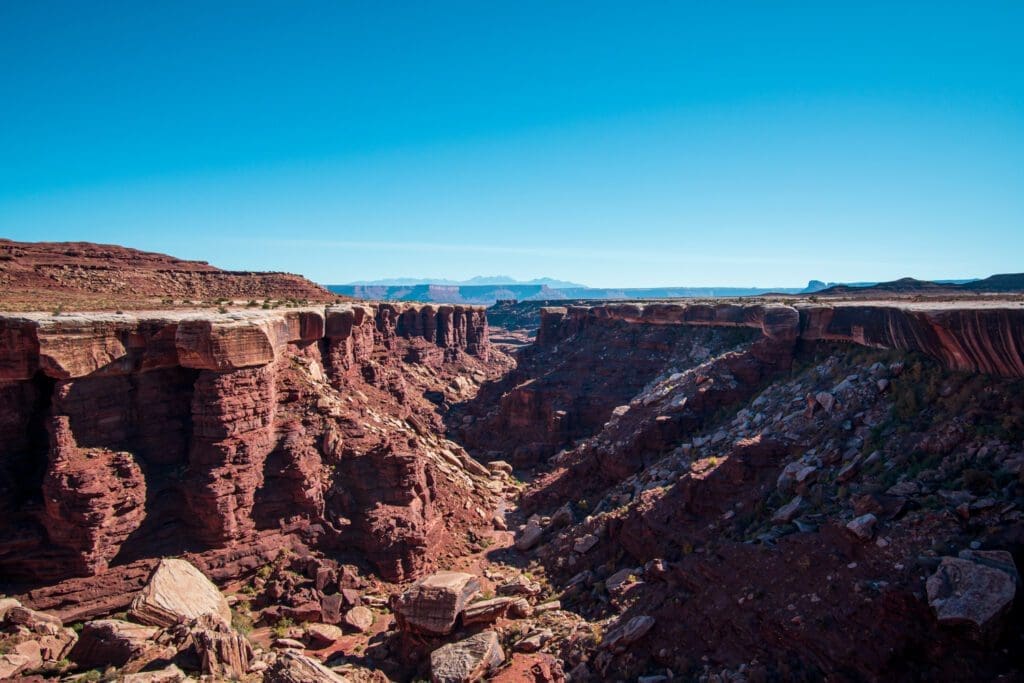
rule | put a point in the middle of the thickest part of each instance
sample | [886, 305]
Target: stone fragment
[288, 644]
[849, 470]
[39, 622]
[177, 592]
[487, 611]
[331, 607]
[360, 618]
[323, 635]
[113, 642]
[6, 605]
[626, 634]
[467, 660]
[433, 604]
[863, 527]
[787, 512]
[169, 674]
[530, 537]
[826, 400]
[584, 543]
[520, 585]
[293, 667]
[620, 579]
[533, 642]
[223, 652]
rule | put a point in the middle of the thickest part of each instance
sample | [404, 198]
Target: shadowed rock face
[968, 336]
[154, 433]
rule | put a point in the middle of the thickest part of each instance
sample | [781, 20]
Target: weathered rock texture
[126, 437]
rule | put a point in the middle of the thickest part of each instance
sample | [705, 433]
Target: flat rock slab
[178, 592]
[432, 605]
[976, 588]
[467, 660]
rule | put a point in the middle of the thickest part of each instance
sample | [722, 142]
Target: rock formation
[86, 276]
[130, 434]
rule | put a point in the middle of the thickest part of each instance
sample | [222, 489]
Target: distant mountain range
[486, 290]
[479, 280]
[481, 290]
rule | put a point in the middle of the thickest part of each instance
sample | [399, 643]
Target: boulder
[534, 641]
[531, 535]
[288, 644]
[330, 608]
[30, 650]
[113, 642]
[965, 591]
[6, 605]
[467, 660]
[488, 611]
[169, 674]
[360, 618]
[177, 592]
[584, 543]
[520, 585]
[626, 634]
[826, 400]
[13, 664]
[292, 667]
[863, 527]
[787, 512]
[433, 604]
[323, 635]
[39, 622]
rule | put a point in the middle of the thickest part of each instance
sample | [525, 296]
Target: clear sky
[611, 143]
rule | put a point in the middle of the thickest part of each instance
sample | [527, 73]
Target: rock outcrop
[135, 435]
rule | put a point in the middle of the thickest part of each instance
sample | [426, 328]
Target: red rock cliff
[124, 437]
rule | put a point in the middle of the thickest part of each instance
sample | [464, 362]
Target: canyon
[714, 490]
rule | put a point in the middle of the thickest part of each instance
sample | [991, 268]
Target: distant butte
[87, 276]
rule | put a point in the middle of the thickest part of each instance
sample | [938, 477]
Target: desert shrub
[280, 629]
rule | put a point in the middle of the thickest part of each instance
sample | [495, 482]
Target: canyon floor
[770, 490]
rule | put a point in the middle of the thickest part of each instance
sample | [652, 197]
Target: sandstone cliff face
[977, 337]
[135, 435]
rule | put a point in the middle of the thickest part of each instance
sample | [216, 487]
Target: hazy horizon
[662, 145]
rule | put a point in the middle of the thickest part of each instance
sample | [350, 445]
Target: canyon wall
[974, 336]
[129, 436]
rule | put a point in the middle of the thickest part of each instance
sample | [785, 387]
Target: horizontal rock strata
[131, 436]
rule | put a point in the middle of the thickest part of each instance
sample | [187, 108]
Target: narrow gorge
[751, 491]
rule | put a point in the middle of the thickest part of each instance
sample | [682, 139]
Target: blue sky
[615, 144]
